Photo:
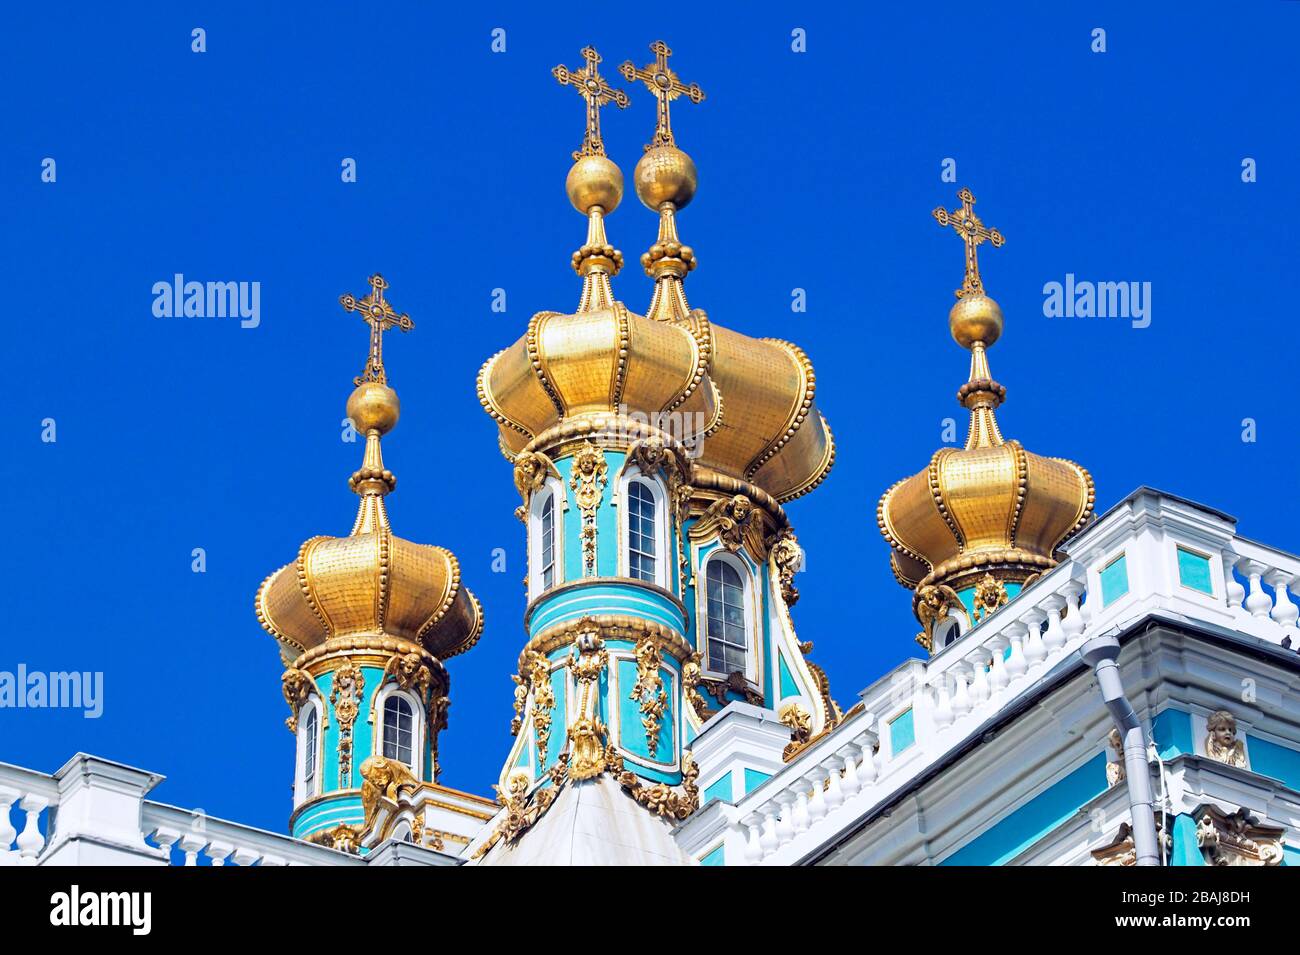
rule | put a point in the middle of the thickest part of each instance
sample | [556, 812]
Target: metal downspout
[1100, 653]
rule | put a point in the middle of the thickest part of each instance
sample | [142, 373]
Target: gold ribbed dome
[991, 507]
[372, 582]
[749, 400]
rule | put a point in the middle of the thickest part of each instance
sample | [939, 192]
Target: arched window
[310, 746]
[642, 531]
[399, 730]
[547, 548]
[728, 638]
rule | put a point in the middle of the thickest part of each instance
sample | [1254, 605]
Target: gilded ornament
[383, 778]
[734, 522]
[587, 748]
[648, 691]
[1221, 741]
[539, 682]
[931, 605]
[691, 679]
[588, 480]
[532, 468]
[787, 559]
[343, 837]
[661, 799]
[796, 716]
[990, 594]
[345, 698]
[410, 672]
[298, 686]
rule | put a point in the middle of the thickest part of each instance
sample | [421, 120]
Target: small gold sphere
[975, 318]
[594, 181]
[373, 407]
[665, 174]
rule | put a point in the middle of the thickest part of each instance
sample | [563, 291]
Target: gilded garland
[345, 698]
[648, 691]
[590, 475]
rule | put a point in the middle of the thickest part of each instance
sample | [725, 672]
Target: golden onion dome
[745, 403]
[990, 507]
[371, 582]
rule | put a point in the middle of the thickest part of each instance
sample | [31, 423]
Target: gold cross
[663, 82]
[967, 224]
[592, 87]
[379, 315]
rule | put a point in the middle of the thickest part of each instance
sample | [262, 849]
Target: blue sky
[817, 171]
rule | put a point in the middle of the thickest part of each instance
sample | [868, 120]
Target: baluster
[979, 684]
[961, 696]
[31, 840]
[1258, 602]
[852, 784]
[245, 857]
[1035, 651]
[943, 704]
[1055, 637]
[1231, 585]
[867, 771]
[768, 840]
[274, 860]
[165, 838]
[785, 821]
[753, 844]
[219, 852]
[817, 804]
[1072, 623]
[998, 677]
[1284, 611]
[7, 831]
[800, 818]
[191, 844]
[1017, 666]
[834, 794]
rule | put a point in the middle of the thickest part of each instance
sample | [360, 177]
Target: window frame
[664, 558]
[310, 707]
[419, 741]
[746, 575]
[552, 491]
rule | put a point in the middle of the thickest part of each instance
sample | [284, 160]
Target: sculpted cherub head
[1222, 727]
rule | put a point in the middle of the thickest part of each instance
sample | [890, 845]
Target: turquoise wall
[1023, 827]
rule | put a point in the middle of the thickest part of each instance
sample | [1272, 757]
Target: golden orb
[373, 407]
[594, 181]
[975, 318]
[665, 174]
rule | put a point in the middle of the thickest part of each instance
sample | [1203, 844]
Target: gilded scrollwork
[588, 480]
[523, 811]
[345, 698]
[692, 677]
[648, 691]
[539, 683]
[660, 798]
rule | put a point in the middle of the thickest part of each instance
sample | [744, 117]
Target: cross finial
[967, 224]
[591, 86]
[380, 316]
[665, 85]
